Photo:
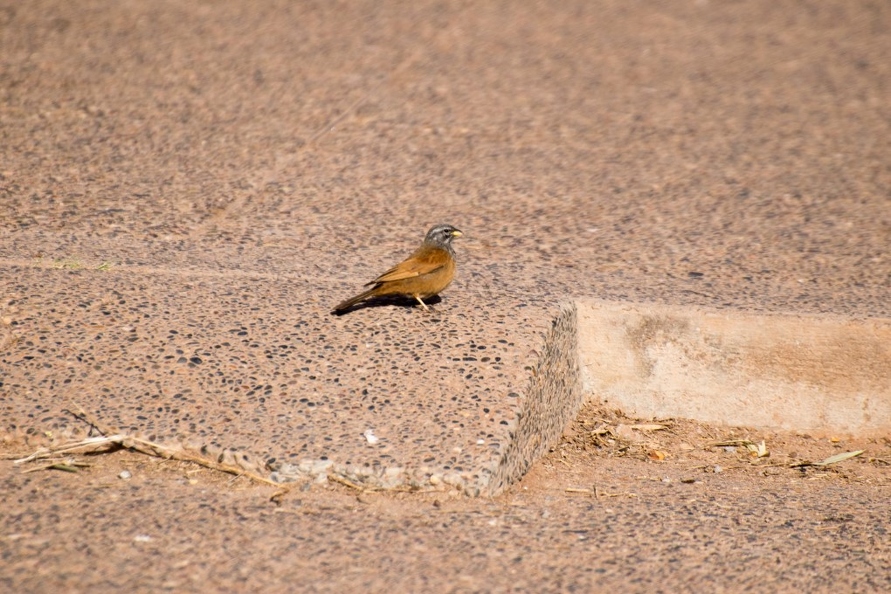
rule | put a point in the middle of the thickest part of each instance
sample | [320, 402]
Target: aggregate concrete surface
[188, 188]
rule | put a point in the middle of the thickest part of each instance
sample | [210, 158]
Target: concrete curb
[824, 375]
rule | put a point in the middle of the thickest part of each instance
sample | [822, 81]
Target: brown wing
[423, 261]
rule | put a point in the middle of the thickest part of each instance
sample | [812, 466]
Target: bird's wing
[425, 262]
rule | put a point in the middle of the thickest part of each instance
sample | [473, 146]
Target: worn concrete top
[186, 191]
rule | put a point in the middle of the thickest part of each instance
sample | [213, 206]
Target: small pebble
[718, 469]
[125, 474]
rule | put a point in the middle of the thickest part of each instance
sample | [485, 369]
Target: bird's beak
[456, 233]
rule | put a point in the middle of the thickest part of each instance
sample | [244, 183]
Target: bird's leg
[424, 305]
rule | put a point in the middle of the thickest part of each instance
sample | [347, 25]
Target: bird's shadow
[387, 300]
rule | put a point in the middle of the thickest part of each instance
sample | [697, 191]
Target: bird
[425, 273]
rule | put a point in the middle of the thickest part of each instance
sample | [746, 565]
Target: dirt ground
[668, 505]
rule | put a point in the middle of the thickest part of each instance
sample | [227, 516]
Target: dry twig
[110, 441]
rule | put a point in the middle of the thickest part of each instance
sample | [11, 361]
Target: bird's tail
[345, 305]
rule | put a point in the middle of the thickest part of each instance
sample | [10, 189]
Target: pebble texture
[552, 399]
[182, 202]
[233, 169]
[247, 372]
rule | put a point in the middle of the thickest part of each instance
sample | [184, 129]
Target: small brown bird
[422, 275]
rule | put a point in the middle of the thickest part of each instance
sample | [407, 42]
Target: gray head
[442, 236]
